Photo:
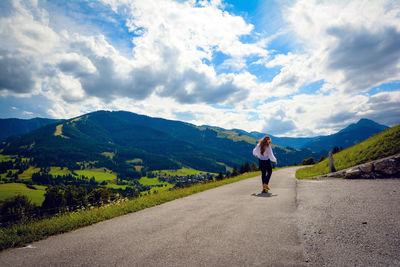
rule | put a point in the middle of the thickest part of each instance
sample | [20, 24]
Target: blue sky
[287, 68]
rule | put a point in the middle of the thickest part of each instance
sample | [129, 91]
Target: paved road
[300, 224]
[350, 222]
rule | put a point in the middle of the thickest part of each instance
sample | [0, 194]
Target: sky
[286, 68]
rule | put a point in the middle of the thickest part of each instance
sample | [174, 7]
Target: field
[27, 174]
[155, 181]
[6, 157]
[180, 172]
[99, 174]
[13, 189]
[381, 145]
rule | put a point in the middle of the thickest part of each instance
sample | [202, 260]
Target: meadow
[378, 146]
[99, 174]
[12, 189]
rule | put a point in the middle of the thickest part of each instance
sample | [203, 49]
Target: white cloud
[352, 45]
[174, 40]
[324, 114]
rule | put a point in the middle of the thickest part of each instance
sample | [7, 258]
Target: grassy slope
[381, 145]
[13, 189]
[21, 234]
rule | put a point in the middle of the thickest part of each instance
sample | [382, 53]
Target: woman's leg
[263, 168]
[268, 168]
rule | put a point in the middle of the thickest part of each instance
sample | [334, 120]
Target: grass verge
[383, 144]
[21, 234]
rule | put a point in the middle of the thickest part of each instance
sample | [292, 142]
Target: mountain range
[349, 136]
[122, 140]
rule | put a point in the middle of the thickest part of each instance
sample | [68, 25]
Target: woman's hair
[264, 143]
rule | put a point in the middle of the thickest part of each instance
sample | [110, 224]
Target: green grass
[381, 145]
[181, 172]
[99, 174]
[13, 189]
[7, 157]
[155, 181]
[21, 234]
[151, 181]
[116, 186]
[27, 174]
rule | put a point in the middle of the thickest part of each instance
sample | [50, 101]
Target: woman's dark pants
[266, 170]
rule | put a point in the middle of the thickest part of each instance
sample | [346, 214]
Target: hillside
[383, 144]
[10, 127]
[122, 140]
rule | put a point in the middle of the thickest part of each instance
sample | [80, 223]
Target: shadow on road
[264, 195]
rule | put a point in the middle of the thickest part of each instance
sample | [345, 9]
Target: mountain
[10, 127]
[349, 136]
[116, 140]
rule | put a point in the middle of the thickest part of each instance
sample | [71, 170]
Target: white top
[268, 154]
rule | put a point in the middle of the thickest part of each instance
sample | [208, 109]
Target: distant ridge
[10, 127]
[351, 135]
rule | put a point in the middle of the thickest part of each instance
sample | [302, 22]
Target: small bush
[308, 161]
[16, 210]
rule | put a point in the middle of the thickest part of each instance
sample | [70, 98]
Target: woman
[263, 152]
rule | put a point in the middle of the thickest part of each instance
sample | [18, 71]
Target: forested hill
[116, 139]
[10, 127]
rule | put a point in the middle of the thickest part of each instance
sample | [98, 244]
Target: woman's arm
[256, 151]
[271, 155]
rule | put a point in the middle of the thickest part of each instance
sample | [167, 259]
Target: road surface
[300, 223]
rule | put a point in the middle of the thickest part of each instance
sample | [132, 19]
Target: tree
[100, 196]
[75, 197]
[245, 168]
[336, 149]
[235, 171]
[219, 177]
[308, 161]
[17, 209]
[254, 167]
[53, 200]
[322, 158]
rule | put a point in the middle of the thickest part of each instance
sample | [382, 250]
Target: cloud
[171, 41]
[365, 58]
[352, 45]
[16, 73]
[278, 127]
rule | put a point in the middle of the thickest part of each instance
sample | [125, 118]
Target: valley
[104, 157]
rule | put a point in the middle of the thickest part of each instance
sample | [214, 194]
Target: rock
[367, 167]
[379, 165]
[353, 173]
[383, 168]
[336, 174]
[389, 166]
